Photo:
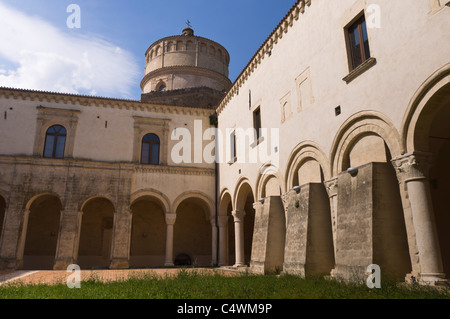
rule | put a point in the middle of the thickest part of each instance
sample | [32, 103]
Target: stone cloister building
[346, 104]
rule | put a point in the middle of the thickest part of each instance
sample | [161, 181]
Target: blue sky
[105, 57]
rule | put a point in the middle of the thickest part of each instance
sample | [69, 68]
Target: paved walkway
[52, 277]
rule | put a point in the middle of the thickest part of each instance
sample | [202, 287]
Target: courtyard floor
[52, 277]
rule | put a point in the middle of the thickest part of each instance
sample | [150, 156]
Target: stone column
[223, 240]
[12, 243]
[21, 240]
[332, 189]
[213, 241]
[121, 239]
[68, 238]
[412, 170]
[238, 216]
[170, 221]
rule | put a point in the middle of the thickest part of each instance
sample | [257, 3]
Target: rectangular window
[359, 50]
[257, 123]
[233, 146]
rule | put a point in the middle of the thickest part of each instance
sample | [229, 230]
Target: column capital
[170, 218]
[238, 215]
[414, 166]
[257, 205]
[331, 187]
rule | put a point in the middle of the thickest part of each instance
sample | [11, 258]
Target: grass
[199, 285]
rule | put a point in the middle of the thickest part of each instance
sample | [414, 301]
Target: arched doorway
[430, 134]
[226, 230]
[42, 233]
[148, 233]
[96, 233]
[309, 235]
[244, 204]
[369, 189]
[192, 233]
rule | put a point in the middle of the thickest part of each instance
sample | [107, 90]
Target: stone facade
[357, 157]
[352, 167]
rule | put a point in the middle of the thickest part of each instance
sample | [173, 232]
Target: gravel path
[51, 277]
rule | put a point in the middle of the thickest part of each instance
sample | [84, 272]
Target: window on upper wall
[162, 87]
[150, 150]
[55, 142]
[359, 50]
[232, 147]
[257, 123]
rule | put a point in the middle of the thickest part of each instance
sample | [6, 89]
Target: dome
[185, 62]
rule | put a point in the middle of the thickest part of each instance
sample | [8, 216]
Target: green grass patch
[200, 285]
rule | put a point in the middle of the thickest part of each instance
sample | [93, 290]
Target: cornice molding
[265, 49]
[88, 164]
[93, 101]
[178, 69]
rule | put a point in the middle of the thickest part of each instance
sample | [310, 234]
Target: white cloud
[45, 58]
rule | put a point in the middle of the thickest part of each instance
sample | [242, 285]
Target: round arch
[242, 184]
[263, 179]
[36, 197]
[92, 198]
[303, 152]
[40, 231]
[414, 120]
[365, 122]
[225, 199]
[207, 202]
[161, 198]
[192, 232]
[425, 130]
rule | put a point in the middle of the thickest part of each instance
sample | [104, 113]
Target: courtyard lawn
[198, 285]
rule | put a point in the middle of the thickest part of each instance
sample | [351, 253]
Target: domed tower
[185, 70]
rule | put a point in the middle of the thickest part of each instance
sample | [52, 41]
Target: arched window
[150, 149]
[55, 142]
[162, 87]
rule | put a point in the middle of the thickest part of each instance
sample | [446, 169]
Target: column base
[119, 264]
[62, 264]
[10, 264]
[432, 279]
[169, 265]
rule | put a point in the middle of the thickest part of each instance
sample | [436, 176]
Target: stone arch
[192, 229]
[243, 183]
[161, 86]
[41, 228]
[244, 219]
[369, 141]
[158, 50]
[171, 46]
[425, 132]
[302, 153]
[189, 45]
[419, 115]
[148, 228]
[212, 50]
[225, 200]
[226, 228]
[96, 232]
[162, 199]
[207, 202]
[93, 197]
[309, 247]
[269, 184]
[360, 124]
